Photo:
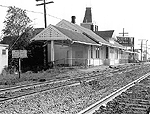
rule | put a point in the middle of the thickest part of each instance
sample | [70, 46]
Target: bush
[8, 70]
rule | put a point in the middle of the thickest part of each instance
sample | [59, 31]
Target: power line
[33, 12]
[43, 13]
[4, 6]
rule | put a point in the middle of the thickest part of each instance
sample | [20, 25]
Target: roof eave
[87, 43]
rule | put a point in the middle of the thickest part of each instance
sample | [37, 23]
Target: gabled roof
[108, 34]
[57, 33]
[105, 34]
[50, 33]
[90, 34]
[76, 36]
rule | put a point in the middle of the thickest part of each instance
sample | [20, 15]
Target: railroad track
[22, 99]
[30, 89]
[91, 109]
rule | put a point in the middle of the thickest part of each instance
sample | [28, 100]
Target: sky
[132, 15]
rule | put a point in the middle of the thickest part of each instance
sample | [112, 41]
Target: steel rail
[55, 80]
[34, 93]
[50, 82]
[92, 108]
[17, 88]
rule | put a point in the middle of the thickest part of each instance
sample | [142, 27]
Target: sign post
[19, 66]
[19, 54]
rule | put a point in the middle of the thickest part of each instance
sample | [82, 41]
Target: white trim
[38, 36]
[87, 43]
[50, 38]
[118, 47]
[131, 52]
[105, 44]
[4, 45]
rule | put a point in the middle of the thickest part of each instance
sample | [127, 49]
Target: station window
[3, 52]
[107, 52]
[97, 52]
[116, 54]
[91, 51]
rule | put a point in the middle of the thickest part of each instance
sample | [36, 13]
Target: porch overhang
[117, 47]
[87, 43]
[104, 44]
[130, 52]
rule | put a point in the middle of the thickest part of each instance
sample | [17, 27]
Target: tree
[16, 22]
[18, 28]
[17, 31]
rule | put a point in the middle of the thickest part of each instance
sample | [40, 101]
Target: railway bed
[19, 91]
[135, 100]
[73, 99]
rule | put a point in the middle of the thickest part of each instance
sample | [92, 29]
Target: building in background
[3, 56]
[129, 54]
[87, 21]
[111, 53]
[114, 50]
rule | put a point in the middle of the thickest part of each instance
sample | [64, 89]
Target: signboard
[19, 53]
[126, 41]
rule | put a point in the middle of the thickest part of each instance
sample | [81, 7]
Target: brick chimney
[96, 28]
[73, 18]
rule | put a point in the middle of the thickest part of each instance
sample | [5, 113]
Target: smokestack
[73, 19]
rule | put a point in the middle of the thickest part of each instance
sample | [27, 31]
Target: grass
[7, 79]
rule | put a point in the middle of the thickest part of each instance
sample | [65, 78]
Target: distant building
[87, 21]
[3, 56]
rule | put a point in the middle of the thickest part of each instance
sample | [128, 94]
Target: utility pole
[44, 9]
[146, 50]
[123, 33]
[142, 47]
[45, 47]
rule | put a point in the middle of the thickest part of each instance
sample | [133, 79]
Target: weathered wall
[3, 56]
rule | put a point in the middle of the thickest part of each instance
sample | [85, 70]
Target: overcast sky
[133, 15]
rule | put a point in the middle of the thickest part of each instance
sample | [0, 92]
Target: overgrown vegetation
[17, 32]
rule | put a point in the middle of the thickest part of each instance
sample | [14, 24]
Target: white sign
[19, 53]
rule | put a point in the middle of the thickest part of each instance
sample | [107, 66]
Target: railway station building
[72, 44]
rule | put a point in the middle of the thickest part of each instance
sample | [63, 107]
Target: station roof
[57, 33]
[89, 33]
